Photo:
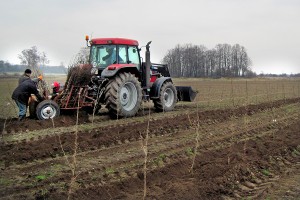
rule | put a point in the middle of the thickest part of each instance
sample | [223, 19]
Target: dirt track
[247, 152]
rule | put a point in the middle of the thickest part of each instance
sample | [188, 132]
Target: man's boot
[21, 117]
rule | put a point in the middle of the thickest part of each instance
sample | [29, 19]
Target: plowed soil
[250, 152]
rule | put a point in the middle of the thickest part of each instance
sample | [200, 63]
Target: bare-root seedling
[73, 164]
[196, 140]
[144, 142]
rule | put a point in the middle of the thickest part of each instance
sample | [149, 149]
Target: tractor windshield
[105, 55]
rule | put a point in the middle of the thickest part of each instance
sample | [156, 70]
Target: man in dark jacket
[25, 76]
[22, 93]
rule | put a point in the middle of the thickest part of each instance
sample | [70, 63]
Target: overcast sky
[268, 29]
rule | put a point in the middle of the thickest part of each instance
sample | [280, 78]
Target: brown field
[239, 140]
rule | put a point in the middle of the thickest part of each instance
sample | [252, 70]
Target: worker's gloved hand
[41, 99]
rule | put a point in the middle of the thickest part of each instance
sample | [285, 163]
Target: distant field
[212, 93]
[237, 92]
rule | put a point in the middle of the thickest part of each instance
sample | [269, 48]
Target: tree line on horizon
[184, 61]
[198, 61]
[33, 59]
[6, 67]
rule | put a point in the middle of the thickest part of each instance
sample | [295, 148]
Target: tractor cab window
[133, 56]
[103, 55]
[109, 55]
[122, 54]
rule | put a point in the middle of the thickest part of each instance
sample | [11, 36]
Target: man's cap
[27, 71]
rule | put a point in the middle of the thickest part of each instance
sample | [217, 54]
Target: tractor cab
[115, 53]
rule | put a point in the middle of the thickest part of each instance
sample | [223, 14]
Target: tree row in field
[184, 61]
[32, 59]
[6, 67]
[197, 61]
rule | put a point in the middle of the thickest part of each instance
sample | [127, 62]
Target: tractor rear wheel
[167, 97]
[47, 109]
[123, 95]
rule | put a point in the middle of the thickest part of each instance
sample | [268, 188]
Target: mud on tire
[123, 95]
[32, 109]
[167, 97]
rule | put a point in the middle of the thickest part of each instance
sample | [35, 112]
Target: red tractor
[120, 80]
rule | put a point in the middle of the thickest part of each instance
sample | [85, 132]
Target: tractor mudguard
[155, 88]
[109, 73]
[112, 70]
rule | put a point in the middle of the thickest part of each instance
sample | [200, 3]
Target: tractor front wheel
[123, 95]
[47, 109]
[167, 97]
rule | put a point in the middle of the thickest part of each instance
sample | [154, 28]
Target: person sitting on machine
[56, 89]
[111, 57]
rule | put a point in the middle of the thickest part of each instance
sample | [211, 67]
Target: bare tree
[43, 59]
[235, 61]
[227, 59]
[32, 58]
[211, 63]
[82, 56]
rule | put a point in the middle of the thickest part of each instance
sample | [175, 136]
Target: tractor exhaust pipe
[148, 65]
[186, 93]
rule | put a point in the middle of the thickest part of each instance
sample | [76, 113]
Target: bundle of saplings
[79, 75]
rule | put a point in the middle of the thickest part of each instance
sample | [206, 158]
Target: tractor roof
[114, 41]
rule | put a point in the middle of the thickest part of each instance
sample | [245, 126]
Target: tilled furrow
[52, 145]
[96, 166]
